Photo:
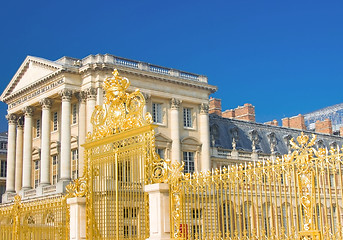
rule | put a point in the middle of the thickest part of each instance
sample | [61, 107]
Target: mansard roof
[223, 130]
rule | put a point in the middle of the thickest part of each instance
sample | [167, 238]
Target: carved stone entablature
[146, 96]
[204, 107]
[28, 111]
[66, 94]
[175, 103]
[46, 103]
[91, 93]
[20, 122]
[11, 118]
[81, 96]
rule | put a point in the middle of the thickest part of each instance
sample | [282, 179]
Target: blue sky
[284, 57]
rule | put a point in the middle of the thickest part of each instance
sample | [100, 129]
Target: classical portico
[50, 104]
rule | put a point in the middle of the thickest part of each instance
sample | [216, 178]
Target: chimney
[229, 113]
[246, 112]
[297, 122]
[273, 123]
[215, 106]
[341, 131]
[324, 126]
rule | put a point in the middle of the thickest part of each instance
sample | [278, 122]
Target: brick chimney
[273, 123]
[215, 106]
[324, 126]
[229, 113]
[297, 122]
[246, 112]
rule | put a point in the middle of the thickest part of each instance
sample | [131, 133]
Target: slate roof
[223, 131]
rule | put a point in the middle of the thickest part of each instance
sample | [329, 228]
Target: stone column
[19, 155]
[91, 100]
[10, 179]
[145, 108]
[159, 211]
[175, 130]
[99, 96]
[77, 218]
[27, 148]
[204, 130]
[45, 142]
[81, 96]
[65, 167]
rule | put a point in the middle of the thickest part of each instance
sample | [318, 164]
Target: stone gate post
[159, 211]
[77, 218]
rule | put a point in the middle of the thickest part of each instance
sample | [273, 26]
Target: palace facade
[50, 104]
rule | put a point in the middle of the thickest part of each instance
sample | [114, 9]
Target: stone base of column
[8, 197]
[77, 218]
[159, 211]
[39, 189]
[254, 156]
[61, 185]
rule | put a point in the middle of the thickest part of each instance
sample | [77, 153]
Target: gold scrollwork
[121, 111]
[78, 188]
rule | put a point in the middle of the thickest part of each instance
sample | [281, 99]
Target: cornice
[93, 67]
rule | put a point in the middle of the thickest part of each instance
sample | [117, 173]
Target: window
[74, 163]
[55, 122]
[188, 158]
[74, 114]
[3, 168]
[54, 169]
[187, 117]
[37, 127]
[160, 152]
[157, 112]
[124, 171]
[36, 173]
[332, 180]
[3, 145]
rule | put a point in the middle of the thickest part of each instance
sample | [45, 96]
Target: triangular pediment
[159, 137]
[31, 71]
[190, 141]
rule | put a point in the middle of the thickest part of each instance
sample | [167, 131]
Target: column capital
[204, 107]
[11, 118]
[91, 93]
[81, 96]
[66, 94]
[46, 103]
[20, 122]
[175, 103]
[28, 111]
[146, 96]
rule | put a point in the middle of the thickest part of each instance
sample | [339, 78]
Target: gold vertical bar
[116, 189]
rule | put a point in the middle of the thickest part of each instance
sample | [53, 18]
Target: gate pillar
[77, 218]
[159, 211]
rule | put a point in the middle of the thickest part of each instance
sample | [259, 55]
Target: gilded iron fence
[120, 159]
[38, 219]
[296, 197]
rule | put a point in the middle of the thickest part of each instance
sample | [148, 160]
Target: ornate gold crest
[121, 111]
